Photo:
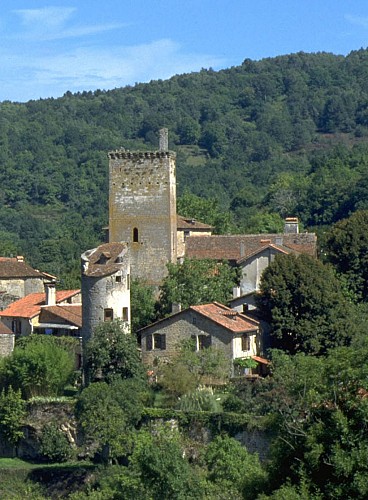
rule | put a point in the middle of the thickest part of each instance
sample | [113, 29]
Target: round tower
[105, 286]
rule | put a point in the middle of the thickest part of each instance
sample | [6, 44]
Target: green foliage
[233, 467]
[143, 305]
[107, 413]
[164, 471]
[111, 352]
[322, 410]
[54, 445]
[197, 282]
[12, 415]
[202, 399]
[38, 367]
[303, 301]
[347, 249]
[205, 210]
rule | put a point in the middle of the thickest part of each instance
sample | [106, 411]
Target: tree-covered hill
[281, 136]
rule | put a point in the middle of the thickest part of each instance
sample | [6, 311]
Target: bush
[54, 445]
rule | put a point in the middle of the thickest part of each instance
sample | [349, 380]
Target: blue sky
[49, 47]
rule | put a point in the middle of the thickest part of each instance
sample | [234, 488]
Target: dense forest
[276, 137]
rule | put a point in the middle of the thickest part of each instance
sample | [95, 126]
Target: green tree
[206, 210]
[143, 305]
[12, 415]
[112, 352]
[197, 282]
[233, 468]
[108, 413]
[38, 367]
[347, 250]
[303, 302]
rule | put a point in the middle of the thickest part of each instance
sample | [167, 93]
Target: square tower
[142, 208]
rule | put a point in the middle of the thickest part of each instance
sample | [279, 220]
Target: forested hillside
[281, 136]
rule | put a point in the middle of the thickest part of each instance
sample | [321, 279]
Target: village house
[216, 325]
[54, 313]
[18, 279]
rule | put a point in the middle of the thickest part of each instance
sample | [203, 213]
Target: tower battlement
[123, 154]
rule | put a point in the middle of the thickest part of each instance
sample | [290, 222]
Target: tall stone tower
[142, 208]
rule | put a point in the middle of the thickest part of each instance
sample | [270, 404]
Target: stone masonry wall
[6, 344]
[177, 330]
[142, 195]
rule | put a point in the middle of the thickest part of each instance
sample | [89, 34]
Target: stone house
[18, 279]
[53, 312]
[237, 335]
[105, 286]
[187, 227]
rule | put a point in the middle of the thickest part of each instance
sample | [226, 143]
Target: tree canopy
[303, 301]
[197, 282]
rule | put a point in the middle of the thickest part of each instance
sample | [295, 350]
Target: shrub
[54, 445]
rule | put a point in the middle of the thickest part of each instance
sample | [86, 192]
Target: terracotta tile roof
[236, 247]
[192, 224]
[4, 330]
[70, 313]
[16, 268]
[104, 260]
[263, 361]
[226, 317]
[30, 305]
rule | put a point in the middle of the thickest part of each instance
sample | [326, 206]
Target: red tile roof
[70, 313]
[226, 317]
[30, 306]
[236, 247]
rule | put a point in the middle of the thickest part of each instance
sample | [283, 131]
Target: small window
[245, 343]
[194, 320]
[17, 326]
[108, 314]
[125, 314]
[118, 278]
[204, 341]
[149, 343]
[159, 341]
[135, 235]
[245, 308]
[128, 281]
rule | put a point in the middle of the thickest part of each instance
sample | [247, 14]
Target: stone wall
[101, 293]
[6, 344]
[142, 197]
[177, 330]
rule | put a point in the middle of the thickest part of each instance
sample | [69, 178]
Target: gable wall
[180, 328]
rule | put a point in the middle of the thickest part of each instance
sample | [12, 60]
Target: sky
[50, 47]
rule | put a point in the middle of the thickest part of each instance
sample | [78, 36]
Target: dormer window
[135, 235]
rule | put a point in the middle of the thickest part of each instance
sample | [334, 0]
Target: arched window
[135, 235]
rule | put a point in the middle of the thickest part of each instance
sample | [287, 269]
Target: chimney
[175, 307]
[50, 294]
[236, 292]
[164, 139]
[20, 258]
[291, 225]
[242, 249]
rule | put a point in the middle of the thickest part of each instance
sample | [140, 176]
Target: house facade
[25, 316]
[216, 325]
